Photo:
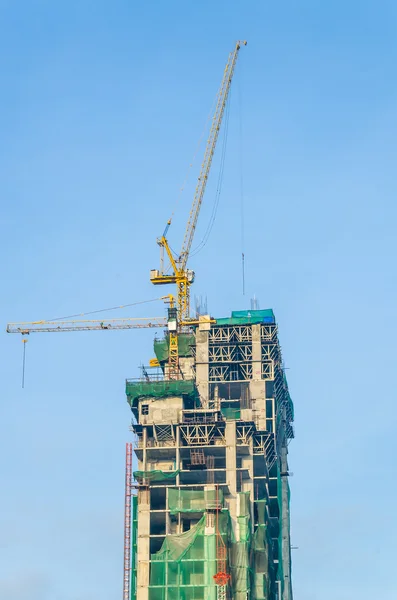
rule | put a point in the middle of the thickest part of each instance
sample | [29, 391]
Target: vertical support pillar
[231, 466]
[257, 385]
[231, 462]
[202, 368]
[143, 550]
[144, 452]
[256, 353]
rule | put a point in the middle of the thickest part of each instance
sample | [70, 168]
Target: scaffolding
[213, 493]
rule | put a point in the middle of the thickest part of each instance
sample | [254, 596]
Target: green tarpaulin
[159, 389]
[155, 475]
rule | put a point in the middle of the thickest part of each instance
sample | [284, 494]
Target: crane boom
[209, 154]
[181, 275]
[100, 325]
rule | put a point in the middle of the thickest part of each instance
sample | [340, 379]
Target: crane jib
[182, 276]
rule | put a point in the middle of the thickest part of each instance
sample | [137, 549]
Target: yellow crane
[181, 275]
[179, 311]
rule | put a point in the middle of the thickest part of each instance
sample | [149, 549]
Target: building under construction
[208, 515]
[210, 518]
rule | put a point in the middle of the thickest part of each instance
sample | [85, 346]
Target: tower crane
[181, 275]
[179, 310]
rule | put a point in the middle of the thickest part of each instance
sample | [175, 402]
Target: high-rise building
[210, 519]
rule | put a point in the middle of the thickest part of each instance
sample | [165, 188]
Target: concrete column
[144, 457]
[251, 483]
[231, 473]
[202, 370]
[143, 544]
[256, 353]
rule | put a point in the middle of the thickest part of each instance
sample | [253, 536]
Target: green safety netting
[280, 570]
[244, 504]
[184, 567]
[186, 563]
[231, 413]
[160, 389]
[185, 343]
[155, 475]
[283, 515]
[261, 545]
[240, 555]
[290, 404]
[189, 501]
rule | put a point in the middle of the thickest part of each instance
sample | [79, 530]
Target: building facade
[210, 519]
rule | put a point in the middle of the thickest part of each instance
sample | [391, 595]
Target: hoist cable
[205, 128]
[93, 312]
[219, 183]
[241, 153]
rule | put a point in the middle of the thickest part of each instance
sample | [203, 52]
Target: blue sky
[102, 105]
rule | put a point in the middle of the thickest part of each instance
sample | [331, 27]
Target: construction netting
[240, 549]
[190, 501]
[263, 554]
[284, 516]
[231, 414]
[185, 343]
[185, 566]
[160, 389]
[150, 476]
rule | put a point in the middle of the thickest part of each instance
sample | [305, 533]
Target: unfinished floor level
[211, 515]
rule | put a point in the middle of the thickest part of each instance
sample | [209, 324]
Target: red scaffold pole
[127, 522]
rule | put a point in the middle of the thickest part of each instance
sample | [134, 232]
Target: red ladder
[127, 522]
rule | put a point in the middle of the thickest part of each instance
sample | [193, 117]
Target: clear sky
[102, 105]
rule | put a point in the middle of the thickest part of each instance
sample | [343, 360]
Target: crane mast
[182, 276]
